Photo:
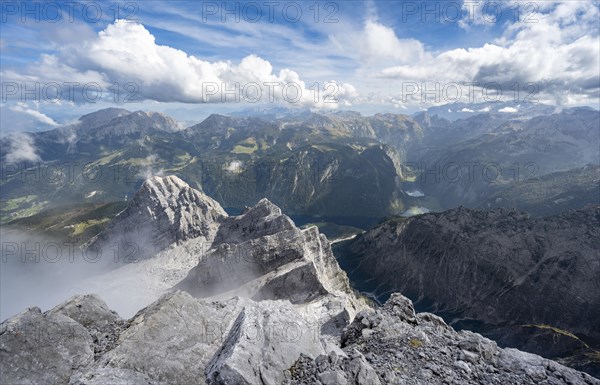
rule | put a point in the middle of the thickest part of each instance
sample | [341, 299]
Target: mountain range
[507, 247]
[305, 162]
[244, 299]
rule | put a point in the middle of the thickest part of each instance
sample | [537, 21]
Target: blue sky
[181, 56]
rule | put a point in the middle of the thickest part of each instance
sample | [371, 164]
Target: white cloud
[127, 52]
[466, 110]
[510, 110]
[21, 148]
[235, 167]
[37, 115]
[556, 57]
[381, 43]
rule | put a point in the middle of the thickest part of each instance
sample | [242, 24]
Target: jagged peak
[172, 193]
[164, 211]
[264, 208]
[170, 188]
[164, 185]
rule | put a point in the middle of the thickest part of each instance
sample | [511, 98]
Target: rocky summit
[247, 299]
[393, 345]
[165, 210]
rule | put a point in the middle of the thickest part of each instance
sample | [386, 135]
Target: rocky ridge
[500, 270]
[263, 303]
[394, 345]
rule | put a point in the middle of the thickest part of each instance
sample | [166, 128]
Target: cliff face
[499, 267]
[259, 300]
[165, 211]
[263, 255]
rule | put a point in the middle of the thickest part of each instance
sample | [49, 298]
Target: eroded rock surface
[42, 348]
[262, 255]
[165, 211]
[393, 345]
[498, 267]
[264, 303]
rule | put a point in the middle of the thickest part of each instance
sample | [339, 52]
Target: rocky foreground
[253, 300]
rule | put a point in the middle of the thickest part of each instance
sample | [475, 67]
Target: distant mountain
[470, 172]
[304, 163]
[101, 117]
[551, 194]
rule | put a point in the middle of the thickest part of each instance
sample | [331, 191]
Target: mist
[40, 271]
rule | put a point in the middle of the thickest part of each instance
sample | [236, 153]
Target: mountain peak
[102, 117]
[164, 211]
[264, 208]
[164, 186]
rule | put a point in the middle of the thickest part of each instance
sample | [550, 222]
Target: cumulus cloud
[127, 53]
[555, 58]
[510, 110]
[380, 42]
[21, 148]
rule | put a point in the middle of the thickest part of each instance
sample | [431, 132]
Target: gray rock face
[393, 345]
[180, 339]
[261, 254]
[273, 299]
[499, 267]
[112, 376]
[172, 340]
[264, 336]
[37, 348]
[165, 211]
[103, 324]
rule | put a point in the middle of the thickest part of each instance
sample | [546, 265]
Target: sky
[60, 60]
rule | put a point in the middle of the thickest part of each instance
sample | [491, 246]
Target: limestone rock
[262, 255]
[172, 340]
[37, 348]
[165, 211]
[103, 324]
[401, 348]
[112, 376]
[266, 337]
